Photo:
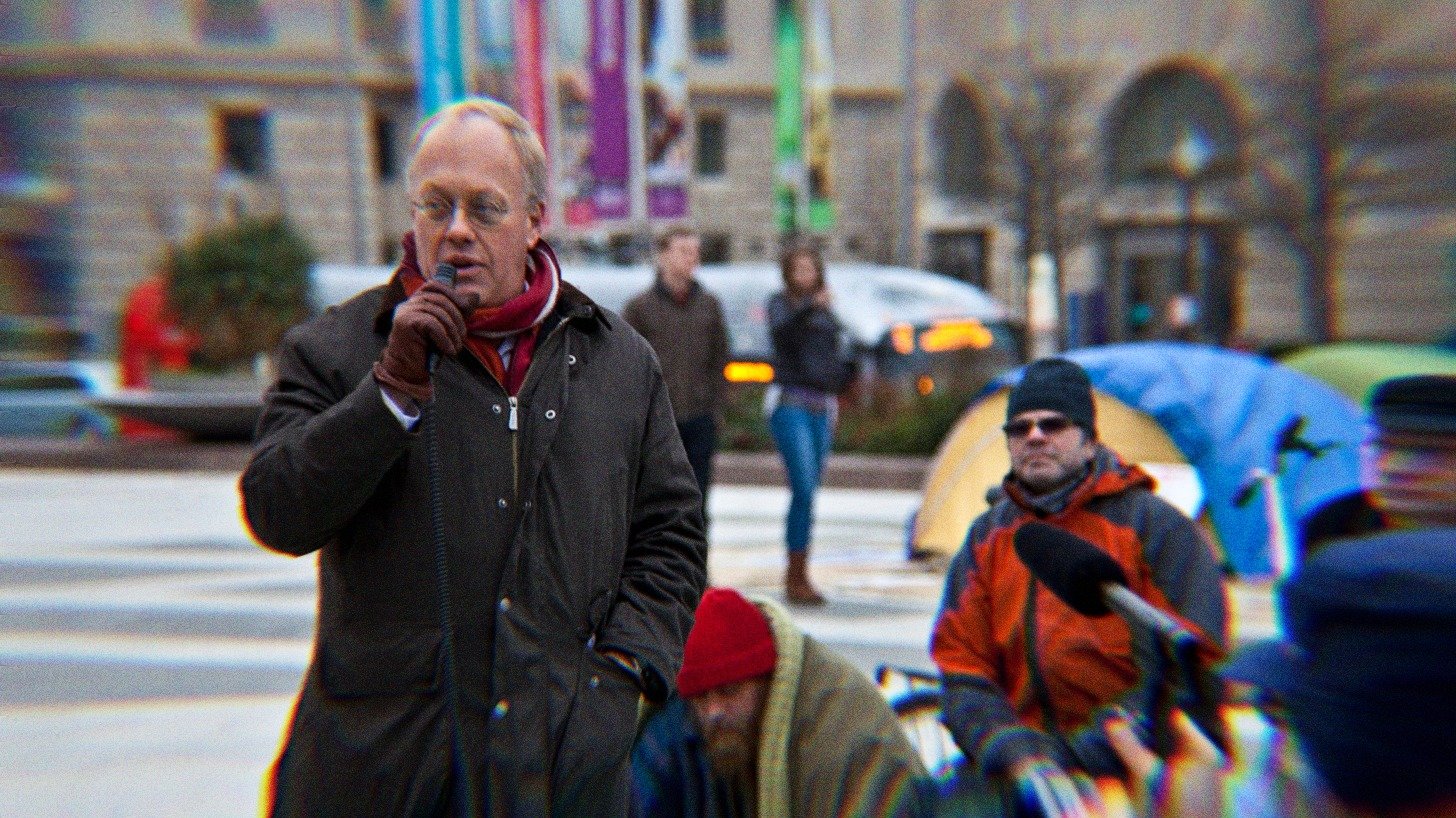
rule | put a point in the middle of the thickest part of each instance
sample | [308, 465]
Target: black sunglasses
[1048, 426]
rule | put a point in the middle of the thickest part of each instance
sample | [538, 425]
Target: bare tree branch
[1353, 122]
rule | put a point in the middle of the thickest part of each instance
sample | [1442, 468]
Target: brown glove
[433, 319]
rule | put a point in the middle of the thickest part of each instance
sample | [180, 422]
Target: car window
[39, 383]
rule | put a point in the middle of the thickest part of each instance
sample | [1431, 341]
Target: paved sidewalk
[149, 651]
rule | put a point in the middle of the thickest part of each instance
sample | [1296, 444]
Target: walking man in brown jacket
[684, 323]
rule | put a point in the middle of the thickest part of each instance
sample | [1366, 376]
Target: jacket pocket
[379, 660]
[590, 773]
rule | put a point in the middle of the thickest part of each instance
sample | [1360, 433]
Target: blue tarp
[1224, 410]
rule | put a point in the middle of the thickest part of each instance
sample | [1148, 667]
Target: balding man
[509, 535]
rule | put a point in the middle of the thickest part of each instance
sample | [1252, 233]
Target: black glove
[1011, 745]
[431, 319]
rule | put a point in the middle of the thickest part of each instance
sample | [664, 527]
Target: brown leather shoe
[797, 588]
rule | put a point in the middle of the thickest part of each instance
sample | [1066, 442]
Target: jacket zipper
[1033, 666]
[513, 424]
[513, 420]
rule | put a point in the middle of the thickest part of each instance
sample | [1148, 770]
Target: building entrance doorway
[1160, 289]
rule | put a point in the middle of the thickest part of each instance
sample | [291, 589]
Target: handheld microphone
[1088, 580]
[445, 274]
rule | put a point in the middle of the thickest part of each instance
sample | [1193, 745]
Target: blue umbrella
[1227, 411]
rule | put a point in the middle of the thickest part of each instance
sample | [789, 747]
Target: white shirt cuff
[405, 419]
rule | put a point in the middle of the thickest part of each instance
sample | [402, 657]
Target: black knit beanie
[1059, 385]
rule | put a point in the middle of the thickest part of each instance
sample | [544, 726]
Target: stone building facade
[151, 121]
[1166, 129]
[132, 124]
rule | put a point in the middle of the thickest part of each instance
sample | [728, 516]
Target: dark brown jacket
[691, 341]
[579, 532]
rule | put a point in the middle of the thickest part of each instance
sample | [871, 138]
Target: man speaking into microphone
[509, 536]
[1024, 676]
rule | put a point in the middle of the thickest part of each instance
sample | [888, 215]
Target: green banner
[818, 126]
[789, 119]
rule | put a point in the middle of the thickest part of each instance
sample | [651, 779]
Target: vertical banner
[441, 64]
[818, 126]
[788, 118]
[666, 153]
[610, 149]
[494, 33]
[531, 67]
[569, 110]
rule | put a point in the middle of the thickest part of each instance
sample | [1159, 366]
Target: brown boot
[797, 588]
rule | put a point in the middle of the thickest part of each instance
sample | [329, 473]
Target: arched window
[958, 138]
[1174, 121]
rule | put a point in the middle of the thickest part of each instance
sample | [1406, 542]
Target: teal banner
[442, 55]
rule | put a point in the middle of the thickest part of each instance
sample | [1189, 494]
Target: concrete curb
[730, 468]
[848, 471]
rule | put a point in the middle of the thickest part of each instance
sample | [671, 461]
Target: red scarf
[520, 317]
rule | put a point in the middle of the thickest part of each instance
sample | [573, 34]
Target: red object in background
[151, 339]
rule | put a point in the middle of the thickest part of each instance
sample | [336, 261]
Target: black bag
[847, 374]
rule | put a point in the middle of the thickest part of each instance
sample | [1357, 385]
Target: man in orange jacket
[1026, 679]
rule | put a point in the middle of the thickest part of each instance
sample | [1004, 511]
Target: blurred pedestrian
[1180, 318]
[684, 324]
[802, 401]
[1025, 678]
[151, 339]
[771, 722]
[1358, 692]
[510, 547]
[1408, 465]
[1410, 462]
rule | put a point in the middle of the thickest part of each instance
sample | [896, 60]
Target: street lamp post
[1190, 158]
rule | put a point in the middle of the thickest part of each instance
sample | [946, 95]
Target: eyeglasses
[480, 210]
[1048, 426]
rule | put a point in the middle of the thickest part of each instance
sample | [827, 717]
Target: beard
[1049, 478]
[732, 753]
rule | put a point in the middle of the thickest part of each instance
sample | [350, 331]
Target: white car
[907, 325]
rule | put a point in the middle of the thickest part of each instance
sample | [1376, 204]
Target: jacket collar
[660, 286]
[778, 710]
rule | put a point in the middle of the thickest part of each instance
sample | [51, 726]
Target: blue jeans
[803, 439]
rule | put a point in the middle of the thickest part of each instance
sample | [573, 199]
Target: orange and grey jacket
[1007, 695]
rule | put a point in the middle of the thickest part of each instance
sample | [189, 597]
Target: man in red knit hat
[768, 721]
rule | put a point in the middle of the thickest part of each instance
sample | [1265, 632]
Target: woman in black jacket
[808, 375]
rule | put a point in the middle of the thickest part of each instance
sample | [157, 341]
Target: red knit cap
[730, 641]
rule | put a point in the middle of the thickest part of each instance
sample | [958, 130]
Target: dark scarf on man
[520, 317]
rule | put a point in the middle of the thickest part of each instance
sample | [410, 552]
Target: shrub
[892, 424]
[240, 287]
[884, 421]
[745, 429]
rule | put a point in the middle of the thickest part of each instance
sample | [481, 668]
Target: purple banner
[667, 201]
[611, 160]
[665, 112]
